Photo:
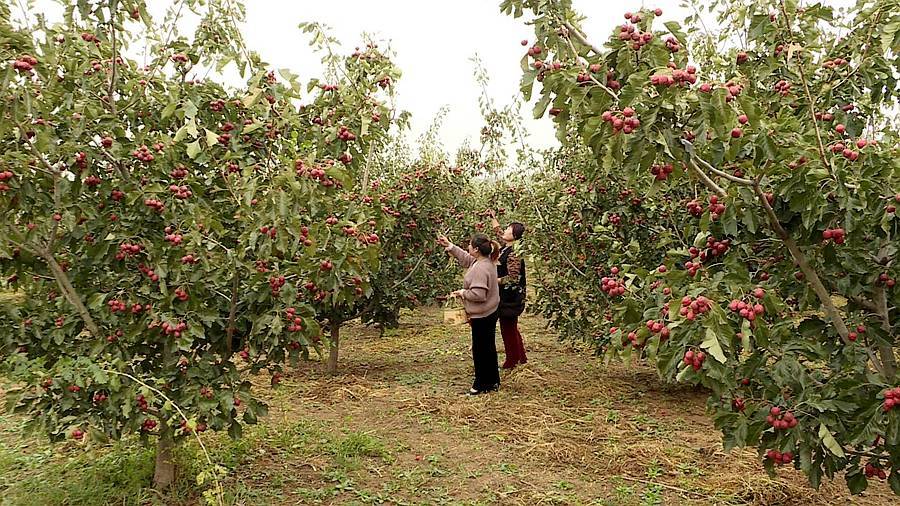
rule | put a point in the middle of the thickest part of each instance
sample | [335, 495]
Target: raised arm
[463, 257]
[496, 226]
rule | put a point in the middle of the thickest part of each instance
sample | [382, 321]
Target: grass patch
[116, 475]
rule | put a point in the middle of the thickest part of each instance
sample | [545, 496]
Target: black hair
[485, 246]
[518, 229]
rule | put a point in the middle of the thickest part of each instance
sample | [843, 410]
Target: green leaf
[251, 99]
[894, 481]
[856, 482]
[829, 441]
[675, 29]
[211, 138]
[711, 343]
[169, 109]
[193, 149]
[541, 106]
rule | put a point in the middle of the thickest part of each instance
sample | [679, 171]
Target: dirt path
[394, 428]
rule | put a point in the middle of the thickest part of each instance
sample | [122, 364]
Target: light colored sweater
[481, 295]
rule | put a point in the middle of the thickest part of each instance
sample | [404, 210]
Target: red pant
[512, 342]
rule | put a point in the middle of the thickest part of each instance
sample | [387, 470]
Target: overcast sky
[434, 43]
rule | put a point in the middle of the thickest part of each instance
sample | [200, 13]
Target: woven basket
[454, 314]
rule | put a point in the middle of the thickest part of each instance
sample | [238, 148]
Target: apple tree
[160, 226]
[777, 286]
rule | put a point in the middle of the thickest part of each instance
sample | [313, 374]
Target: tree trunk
[164, 473]
[333, 346]
[886, 351]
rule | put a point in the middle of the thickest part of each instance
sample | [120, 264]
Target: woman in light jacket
[481, 297]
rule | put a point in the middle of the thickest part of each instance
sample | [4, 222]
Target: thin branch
[720, 173]
[365, 181]
[706, 180]
[162, 59]
[115, 56]
[398, 283]
[809, 98]
[544, 222]
[887, 352]
[583, 64]
[69, 291]
[580, 37]
[811, 276]
[865, 304]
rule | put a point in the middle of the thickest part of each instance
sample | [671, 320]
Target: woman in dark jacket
[511, 275]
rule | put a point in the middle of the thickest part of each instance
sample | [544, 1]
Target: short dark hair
[518, 229]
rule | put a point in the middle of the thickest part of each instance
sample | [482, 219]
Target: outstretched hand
[443, 241]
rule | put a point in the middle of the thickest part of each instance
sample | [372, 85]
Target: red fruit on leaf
[737, 133]
[840, 128]
[742, 119]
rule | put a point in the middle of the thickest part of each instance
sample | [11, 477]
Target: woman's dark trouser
[484, 352]
[512, 342]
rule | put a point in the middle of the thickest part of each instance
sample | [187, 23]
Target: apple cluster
[629, 32]
[747, 311]
[782, 87]
[143, 154]
[678, 77]
[658, 327]
[296, 323]
[694, 359]
[834, 234]
[181, 192]
[661, 171]
[871, 471]
[691, 307]
[150, 273]
[128, 250]
[891, 399]
[624, 120]
[175, 330]
[155, 204]
[25, 64]
[612, 286]
[275, 284]
[780, 458]
[781, 420]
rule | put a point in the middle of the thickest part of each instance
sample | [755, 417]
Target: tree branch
[809, 98]
[886, 351]
[415, 267]
[811, 276]
[69, 291]
[544, 222]
[720, 173]
[115, 55]
[580, 37]
[571, 30]
[706, 180]
[232, 310]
